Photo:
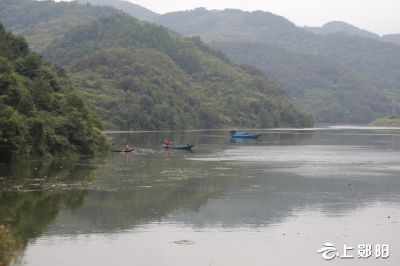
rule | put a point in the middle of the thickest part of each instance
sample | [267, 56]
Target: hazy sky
[378, 16]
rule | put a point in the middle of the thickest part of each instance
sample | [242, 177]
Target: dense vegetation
[339, 26]
[42, 21]
[139, 76]
[392, 120]
[372, 58]
[321, 85]
[128, 7]
[375, 60]
[40, 112]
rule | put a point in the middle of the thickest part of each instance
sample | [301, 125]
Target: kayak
[179, 147]
[129, 150]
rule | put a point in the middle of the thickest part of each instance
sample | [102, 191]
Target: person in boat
[170, 143]
[166, 142]
[127, 147]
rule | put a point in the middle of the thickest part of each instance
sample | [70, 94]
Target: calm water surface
[272, 201]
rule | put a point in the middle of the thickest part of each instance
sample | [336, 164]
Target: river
[230, 202]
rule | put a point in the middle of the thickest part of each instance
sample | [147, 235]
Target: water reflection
[238, 185]
[152, 185]
[11, 246]
[220, 185]
[239, 140]
[32, 194]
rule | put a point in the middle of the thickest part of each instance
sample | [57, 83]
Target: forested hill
[40, 112]
[42, 21]
[339, 26]
[377, 62]
[140, 76]
[128, 7]
[372, 58]
[328, 89]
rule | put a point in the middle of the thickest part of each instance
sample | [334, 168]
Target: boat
[128, 150]
[179, 147]
[236, 134]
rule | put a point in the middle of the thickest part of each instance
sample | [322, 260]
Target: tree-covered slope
[392, 120]
[376, 61]
[140, 76]
[128, 7]
[372, 58]
[40, 112]
[43, 21]
[321, 85]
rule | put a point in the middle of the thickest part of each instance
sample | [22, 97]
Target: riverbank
[389, 121]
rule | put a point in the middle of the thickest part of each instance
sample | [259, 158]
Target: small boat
[128, 150]
[179, 147]
[236, 134]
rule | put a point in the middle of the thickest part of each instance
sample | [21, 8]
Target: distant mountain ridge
[234, 25]
[127, 6]
[43, 21]
[377, 62]
[339, 26]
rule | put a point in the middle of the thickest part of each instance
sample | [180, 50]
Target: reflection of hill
[270, 198]
[229, 185]
[33, 193]
[142, 194]
[334, 171]
[219, 184]
[222, 191]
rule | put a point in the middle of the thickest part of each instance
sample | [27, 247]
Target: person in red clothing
[127, 147]
[166, 142]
